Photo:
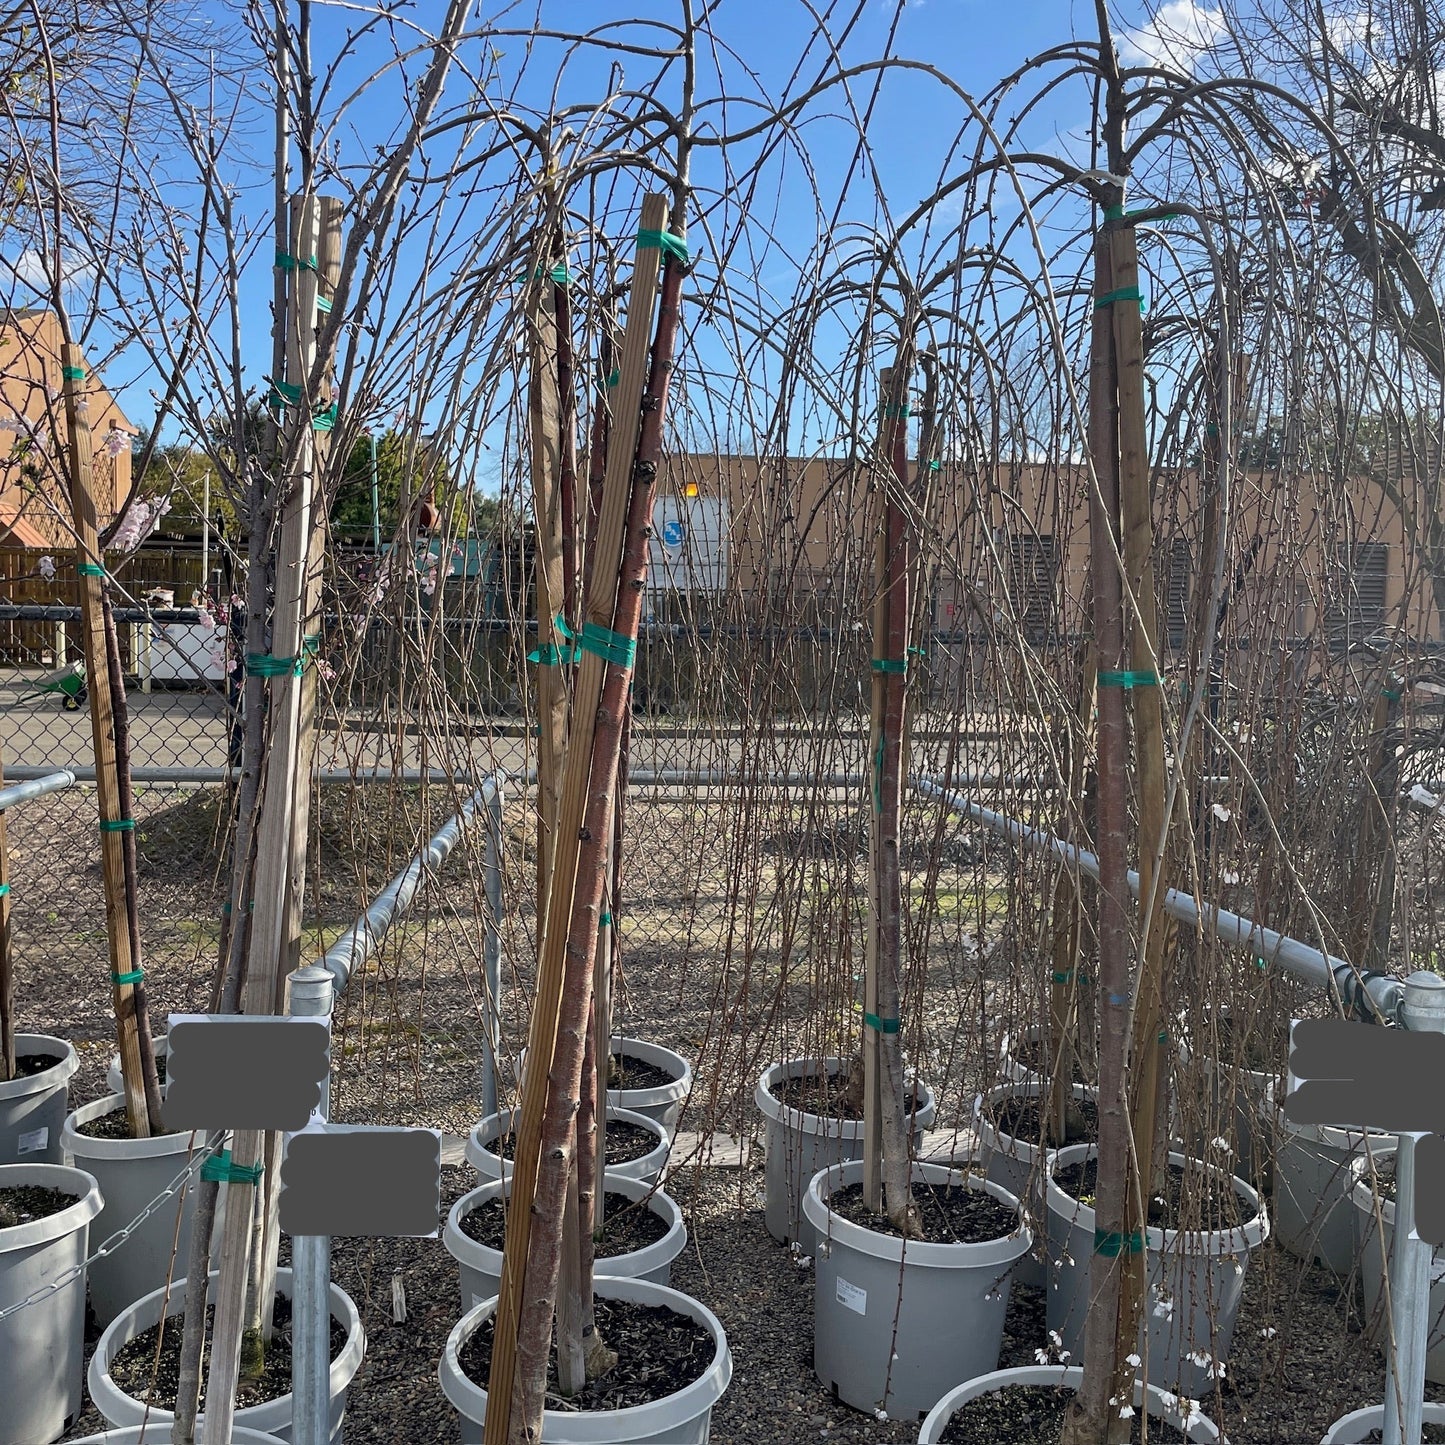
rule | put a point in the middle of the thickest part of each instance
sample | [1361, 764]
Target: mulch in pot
[1022, 1119]
[626, 1228]
[829, 1096]
[658, 1354]
[114, 1125]
[625, 1143]
[135, 1362]
[1030, 1415]
[951, 1214]
[1205, 1201]
[27, 1066]
[624, 1071]
[25, 1203]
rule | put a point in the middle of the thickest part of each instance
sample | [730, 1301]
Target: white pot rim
[466, 1250]
[121, 1409]
[664, 1058]
[487, 1162]
[1024, 1150]
[85, 1189]
[131, 1435]
[81, 1146]
[594, 1427]
[1239, 1240]
[1352, 1428]
[27, 1046]
[160, 1043]
[800, 1121]
[839, 1231]
[1166, 1407]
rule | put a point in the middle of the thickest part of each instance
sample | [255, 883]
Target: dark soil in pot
[1384, 1177]
[625, 1142]
[1022, 1119]
[627, 1227]
[658, 1354]
[134, 1363]
[626, 1072]
[1030, 1415]
[25, 1203]
[951, 1214]
[115, 1125]
[28, 1065]
[829, 1096]
[1197, 1200]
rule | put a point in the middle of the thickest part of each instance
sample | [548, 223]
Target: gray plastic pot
[1352, 1429]
[273, 1417]
[115, 1080]
[147, 1435]
[490, 1165]
[1195, 1281]
[42, 1347]
[662, 1104]
[33, 1108]
[481, 1266]
[798, 1144]
[897, 1324]
[1162, 1406]
[1018, 1165]
[132, 1172]
[1371, 1261]
[681, 1419]
[1313, 1217]
[1239, 1120]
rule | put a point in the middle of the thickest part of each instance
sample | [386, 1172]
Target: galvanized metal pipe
[492, 950]
[37, 787]
[312, 992]
[1423, 1010]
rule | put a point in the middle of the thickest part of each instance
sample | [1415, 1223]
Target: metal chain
[117, 1239]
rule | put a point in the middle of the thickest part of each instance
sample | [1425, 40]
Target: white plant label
[32, 1142]
[851, 1297]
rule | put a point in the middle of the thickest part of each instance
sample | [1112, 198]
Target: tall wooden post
[124, 973]
[7, 961]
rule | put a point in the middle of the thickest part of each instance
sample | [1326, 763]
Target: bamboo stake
[576, 771]
[272, 841]
[1090, 1420]
[543, 1257]
[113, 818]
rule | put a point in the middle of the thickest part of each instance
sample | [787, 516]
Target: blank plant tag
[33, 1142]
[236, 1072]
[851, 1297]
[398, 1298]
[359, 1182]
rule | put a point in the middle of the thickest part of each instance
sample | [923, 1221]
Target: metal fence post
[492, 945]
[311, 997]
[1423, 1009]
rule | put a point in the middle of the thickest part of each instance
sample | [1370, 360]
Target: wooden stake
[7, 961]
[551, 962]
[273, 833]
[113, 820]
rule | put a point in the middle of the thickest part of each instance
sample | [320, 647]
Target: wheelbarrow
[69, 682]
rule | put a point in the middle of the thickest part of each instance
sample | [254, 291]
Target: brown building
[1310, 559]
[34, 496]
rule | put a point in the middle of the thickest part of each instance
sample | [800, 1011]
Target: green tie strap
[890, 664]
[262, 664]
[613, 377]
[551, 655]
[608, 645]
[283, 394]
[324, 420]
[90, 569]
[323, 306]
[883, 1026]
[290, 263]
[604, 920]
[73, 373]
[219, 1169]
[4, 889]
[118, 825]
[1112, 1244]
[663, 241]
[1129, 679]
[1066, 976]
[1122, 293]
[134, 976]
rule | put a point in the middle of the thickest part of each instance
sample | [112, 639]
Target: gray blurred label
[1430, 1189]
[232, 1071]
[1363, 1076]
[353, 1180]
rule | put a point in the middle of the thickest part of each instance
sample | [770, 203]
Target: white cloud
[1347, 29]
[1180, 31]
[31, 271]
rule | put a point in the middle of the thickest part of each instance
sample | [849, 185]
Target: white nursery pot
[490, 1165]
[897, 1323]
[132, 1435]
[33, 1108]
[1351, 1429]
[273, 1417]
[115, 1080]
[684, 1418]
[662, 1103]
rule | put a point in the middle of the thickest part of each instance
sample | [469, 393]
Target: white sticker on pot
[851, 1297]
[32, 1142]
